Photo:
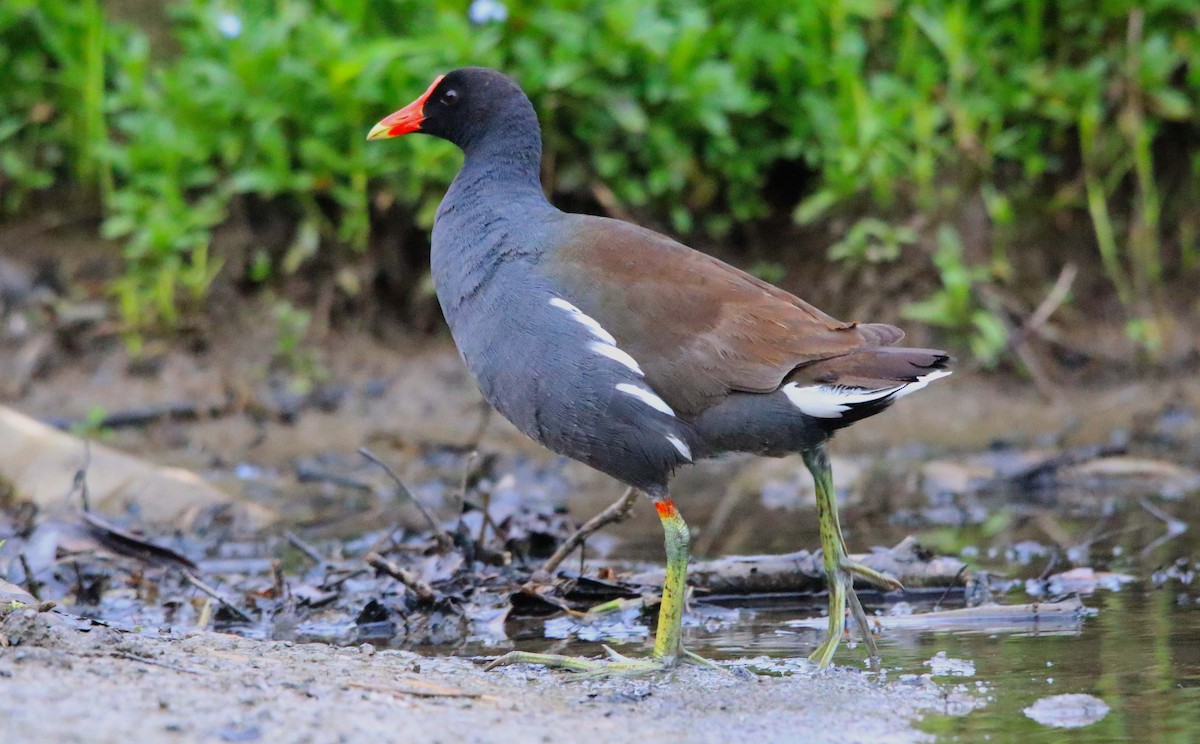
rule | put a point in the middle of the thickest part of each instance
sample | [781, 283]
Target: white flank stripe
[581, 317]
[605, 344]
[831, 401]
[646, 397]
[922, 381]
[616, 355]
[680, 445]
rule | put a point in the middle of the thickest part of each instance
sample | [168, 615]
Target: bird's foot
[841, 594]
[824, 653]
[617, 664]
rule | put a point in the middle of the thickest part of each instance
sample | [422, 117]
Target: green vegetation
[895, 120]
[92, 426]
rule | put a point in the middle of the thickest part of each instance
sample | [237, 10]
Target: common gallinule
[630, 352]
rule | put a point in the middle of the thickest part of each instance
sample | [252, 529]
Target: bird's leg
[668, 641]
[839, 569]
[668, 645]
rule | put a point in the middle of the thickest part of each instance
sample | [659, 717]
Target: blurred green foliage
[899, 114]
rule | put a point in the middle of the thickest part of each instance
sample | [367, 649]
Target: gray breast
[561, 378]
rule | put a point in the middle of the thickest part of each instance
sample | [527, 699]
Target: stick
[1053, 300]
[1018, 341]
[615, 512]
[443, 538]
[140, 417]
[1026, 477]
[432, 692]
[194, 581]
[725, 508]
[485, 418]
[80, 482]
[308, 550]
[610, 202]
[1063, 614]
[1175, 528]
[804, 572]
[31, 583]
[155, 662]
[423, 590]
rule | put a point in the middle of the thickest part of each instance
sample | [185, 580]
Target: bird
[621, 348]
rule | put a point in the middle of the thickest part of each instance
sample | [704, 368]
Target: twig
[486, 499]
[715, 528]
[423, 590]
[157, 663]
[1018, 340]
[335, 583]
[388, 536]
[938, 604]
[465, 482]
[1175, 527]
[196, 582]
[1053, 300]
[205, 616]
[306, 474]
[131, 545]
[432, 692]
[615, 512]
[1026, 477]
[31, 583]
[607, 199]
[803, 572]
[303, 547]
[443, 538]
[485, 418]
[80, 482]
[142, 417]
[1046, 616]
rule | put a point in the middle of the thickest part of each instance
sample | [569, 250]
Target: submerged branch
[803, 572]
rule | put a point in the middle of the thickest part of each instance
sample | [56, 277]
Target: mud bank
[61, 683]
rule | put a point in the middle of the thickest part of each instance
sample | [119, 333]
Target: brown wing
[698, 327]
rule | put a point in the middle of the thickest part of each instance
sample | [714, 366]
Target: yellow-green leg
[668, 645]
[839, 569]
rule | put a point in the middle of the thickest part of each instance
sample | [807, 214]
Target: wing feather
[699, 327]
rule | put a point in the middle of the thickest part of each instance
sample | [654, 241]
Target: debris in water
[1067, 711]
[1082, 580]
[621, 626]
[945, 666]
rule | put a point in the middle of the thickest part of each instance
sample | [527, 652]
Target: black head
[461, 106]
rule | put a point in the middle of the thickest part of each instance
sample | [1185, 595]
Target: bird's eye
[450, 97]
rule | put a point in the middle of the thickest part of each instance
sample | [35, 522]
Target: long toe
[863, 623]
[871, 576]
[552, 661]
[617, 665]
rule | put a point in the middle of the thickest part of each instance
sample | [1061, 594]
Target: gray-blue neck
[503, 158]
[493, 214]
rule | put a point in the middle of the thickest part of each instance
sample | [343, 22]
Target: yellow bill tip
[378, 132]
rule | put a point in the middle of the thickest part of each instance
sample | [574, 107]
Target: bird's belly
[559, 381]
[762, 424]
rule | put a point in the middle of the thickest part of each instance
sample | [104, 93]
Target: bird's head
[456, 107]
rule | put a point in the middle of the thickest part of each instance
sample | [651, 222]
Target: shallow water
[1137, 649]
[1139, 653]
